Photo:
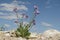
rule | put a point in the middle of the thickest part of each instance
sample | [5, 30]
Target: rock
[47, 35]
[51, 35]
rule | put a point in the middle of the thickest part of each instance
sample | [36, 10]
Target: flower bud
[34, 23]
[15, 9]
[35, 7]
[16, 21]
[26, 16]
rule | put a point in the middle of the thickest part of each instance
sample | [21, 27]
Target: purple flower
[15, 9]
[16, 21]
[36, 11]
[35, 7]
[33, 22]
[26, 16]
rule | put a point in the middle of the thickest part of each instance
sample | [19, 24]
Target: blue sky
[49, 17]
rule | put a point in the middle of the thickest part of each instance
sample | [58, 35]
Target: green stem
[30, 23]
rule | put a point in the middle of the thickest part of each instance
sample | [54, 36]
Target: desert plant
[23, 31]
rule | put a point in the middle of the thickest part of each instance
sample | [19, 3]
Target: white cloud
[11, 17]
[6, 25]
[11, 6]
[22, 7]
[7, 7]
[48, 1]
[52, 3]
[21, 2]
[46, 24]
[48, 4]
[1, 13]
[8, 17]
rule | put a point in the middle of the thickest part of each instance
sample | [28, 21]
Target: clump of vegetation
[23, 31]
